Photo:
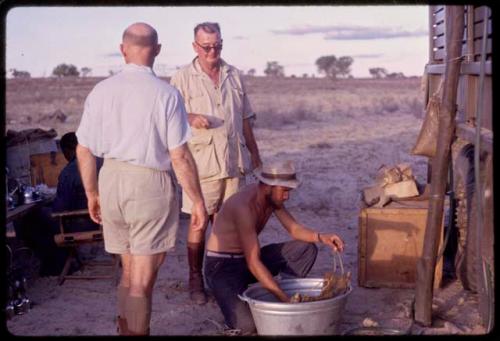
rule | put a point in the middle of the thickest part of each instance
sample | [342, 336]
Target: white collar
[135, 67]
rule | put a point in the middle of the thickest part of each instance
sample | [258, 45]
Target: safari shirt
[219, 152]
[134, 117]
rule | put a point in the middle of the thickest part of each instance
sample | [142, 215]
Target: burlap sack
[426, 144]
[387, 175]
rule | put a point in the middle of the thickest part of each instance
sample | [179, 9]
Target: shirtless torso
[245, 205]
[244, 215]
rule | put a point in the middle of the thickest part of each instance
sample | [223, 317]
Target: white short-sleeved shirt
[134, 117]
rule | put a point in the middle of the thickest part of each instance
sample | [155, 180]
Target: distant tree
[344, 66]
[395, 75]
[377, 72]
[85, 71]
[65, 70]
[251, 72]
[305, 75]
[20, 74]
[332, 67]
[326, 65]
[111, 72]
[274, 69]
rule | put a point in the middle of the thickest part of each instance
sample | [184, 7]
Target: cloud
[368, 56]
[240, 38]
[112, 55]
[306, 29]
[353, 32]
[366, 33]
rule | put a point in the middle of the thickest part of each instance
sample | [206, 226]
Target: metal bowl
[374, 331]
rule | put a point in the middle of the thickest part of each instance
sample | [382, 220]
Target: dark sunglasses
[207, 49]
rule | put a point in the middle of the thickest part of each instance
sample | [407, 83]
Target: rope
[339, 257]
[455, 59]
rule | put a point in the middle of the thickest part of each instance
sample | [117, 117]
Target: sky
[393, 37]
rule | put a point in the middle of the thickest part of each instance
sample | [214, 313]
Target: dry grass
[277, 102]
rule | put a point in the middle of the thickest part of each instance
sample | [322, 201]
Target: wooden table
[22, 210]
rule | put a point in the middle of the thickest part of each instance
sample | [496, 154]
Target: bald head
[140, 44]
[140, 34]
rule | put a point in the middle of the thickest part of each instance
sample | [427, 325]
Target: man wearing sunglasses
[223, 144]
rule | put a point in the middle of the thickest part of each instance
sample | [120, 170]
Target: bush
[65, 70]
[20, 74]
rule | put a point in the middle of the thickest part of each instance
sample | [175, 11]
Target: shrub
[65, 70]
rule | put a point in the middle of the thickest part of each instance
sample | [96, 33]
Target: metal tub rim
[292, 284]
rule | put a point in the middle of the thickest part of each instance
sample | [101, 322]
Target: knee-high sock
[138, 315]
[122, 294]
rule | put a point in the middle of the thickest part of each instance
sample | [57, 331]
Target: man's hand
[332, 240]
[199, 216]
[198, 121]
[94, 207]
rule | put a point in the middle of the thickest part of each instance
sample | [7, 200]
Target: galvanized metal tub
[307, 318]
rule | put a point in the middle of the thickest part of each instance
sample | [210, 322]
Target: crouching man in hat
[234, 258]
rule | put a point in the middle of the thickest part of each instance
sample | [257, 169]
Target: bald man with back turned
[138, 124]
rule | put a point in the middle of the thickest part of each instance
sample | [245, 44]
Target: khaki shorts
[139, 209]
[214, 193]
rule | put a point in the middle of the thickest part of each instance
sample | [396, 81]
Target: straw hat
[280, 173]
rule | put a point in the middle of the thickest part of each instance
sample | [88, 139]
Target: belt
[225, 255]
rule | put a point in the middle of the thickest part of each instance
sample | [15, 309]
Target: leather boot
[195, 260]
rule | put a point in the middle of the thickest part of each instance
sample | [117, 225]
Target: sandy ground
[336, 161]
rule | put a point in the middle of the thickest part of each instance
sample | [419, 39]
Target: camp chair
[72, 240]
[45, 169]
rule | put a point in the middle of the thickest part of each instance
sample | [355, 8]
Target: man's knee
[297, 250]
[311, 251]
[143, 271]
[301, 256]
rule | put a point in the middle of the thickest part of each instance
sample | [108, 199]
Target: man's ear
[158, 49]
[122, 50]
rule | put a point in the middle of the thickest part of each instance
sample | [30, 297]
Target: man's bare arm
[88, 173]
[187, 174]
[251, 248]
[300, 232]
[251, 143]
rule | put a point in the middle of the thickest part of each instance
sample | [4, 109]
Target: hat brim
[276, 182]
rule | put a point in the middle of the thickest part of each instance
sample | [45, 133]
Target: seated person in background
[70, 192]
[37, 229]
[234, 257]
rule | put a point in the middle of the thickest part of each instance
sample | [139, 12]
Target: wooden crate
[45, 168]
[390, 244]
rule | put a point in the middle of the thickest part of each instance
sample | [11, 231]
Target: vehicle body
[471, 171]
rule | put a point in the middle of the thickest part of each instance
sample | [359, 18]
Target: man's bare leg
[142, 277]
[122, 294]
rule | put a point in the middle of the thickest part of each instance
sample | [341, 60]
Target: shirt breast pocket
[196, 102]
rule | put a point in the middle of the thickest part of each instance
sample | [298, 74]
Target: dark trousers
[228, 277]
